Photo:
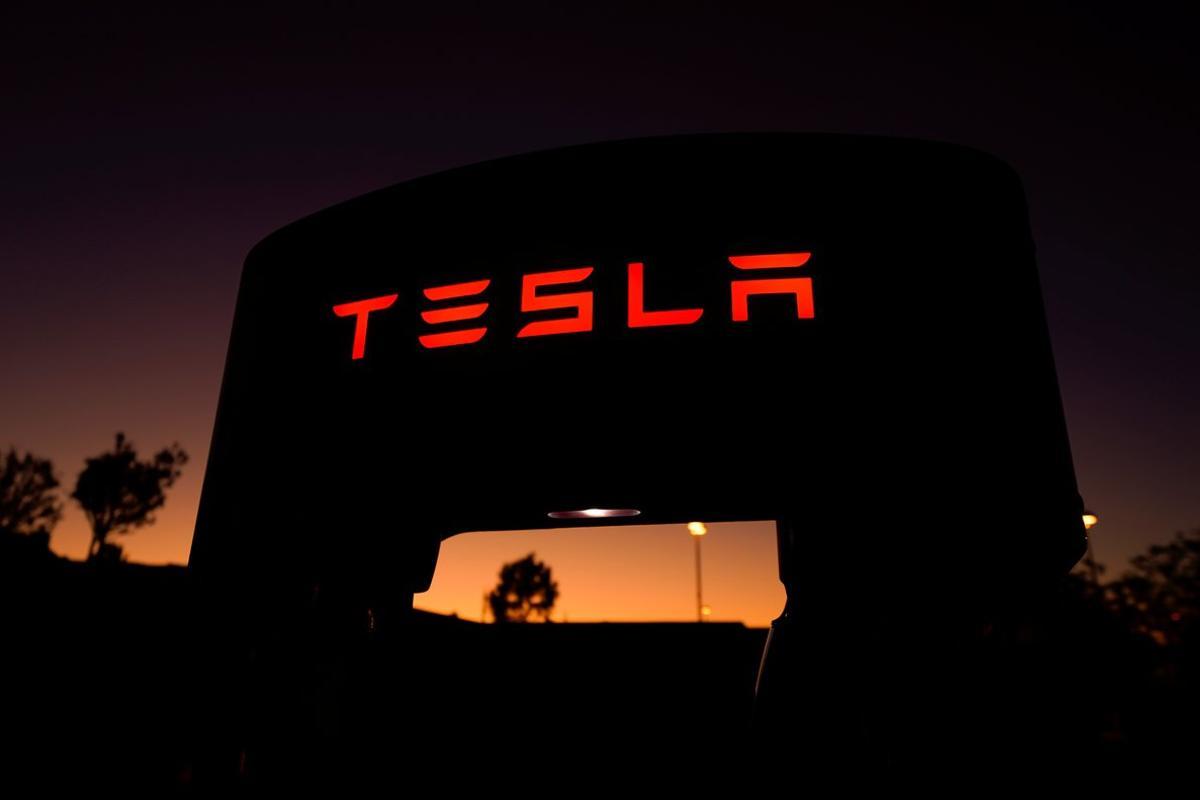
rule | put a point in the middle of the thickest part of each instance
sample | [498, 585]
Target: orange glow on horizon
[626, 573]
[632, 573]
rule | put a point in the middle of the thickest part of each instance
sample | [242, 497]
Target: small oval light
[594, 513]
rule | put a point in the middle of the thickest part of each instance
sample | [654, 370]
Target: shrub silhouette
[526, 590]
[119, 493]
[29, 505]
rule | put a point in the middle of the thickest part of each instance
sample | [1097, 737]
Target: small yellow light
[1089, 520]
[697, 528]
[706, 611]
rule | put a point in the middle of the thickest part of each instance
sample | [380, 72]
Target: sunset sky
[622, 573]
[145, 154]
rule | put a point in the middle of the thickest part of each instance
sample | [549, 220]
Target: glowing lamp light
[697, 528]
[594, 513]
[1089, 520]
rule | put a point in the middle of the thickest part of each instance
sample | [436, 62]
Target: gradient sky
[145, 151]
[622, 573]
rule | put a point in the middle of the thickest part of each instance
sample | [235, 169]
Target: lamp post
[697, 530]
[1090, 520]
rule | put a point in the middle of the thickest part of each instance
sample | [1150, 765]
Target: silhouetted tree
[29, 505]
[119, 493]
[1160, 595]
[526, 590]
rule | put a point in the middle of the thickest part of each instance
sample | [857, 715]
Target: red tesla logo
[455, 314]
[580, 303]
[360, 309]
[800, 287]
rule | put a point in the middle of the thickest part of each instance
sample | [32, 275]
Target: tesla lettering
[472, 305]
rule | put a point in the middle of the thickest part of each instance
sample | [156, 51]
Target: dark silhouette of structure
[119, 493]
[526, 590]
[103, 660]
[844, 334]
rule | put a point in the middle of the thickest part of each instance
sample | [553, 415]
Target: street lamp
[1090, 520]
[697, 530]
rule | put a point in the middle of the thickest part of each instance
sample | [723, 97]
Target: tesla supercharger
[843, 334]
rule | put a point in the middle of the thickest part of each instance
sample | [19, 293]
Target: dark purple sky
[145, 151]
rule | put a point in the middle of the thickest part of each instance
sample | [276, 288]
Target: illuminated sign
[824, 329]
[579, 303]
[844, 334]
